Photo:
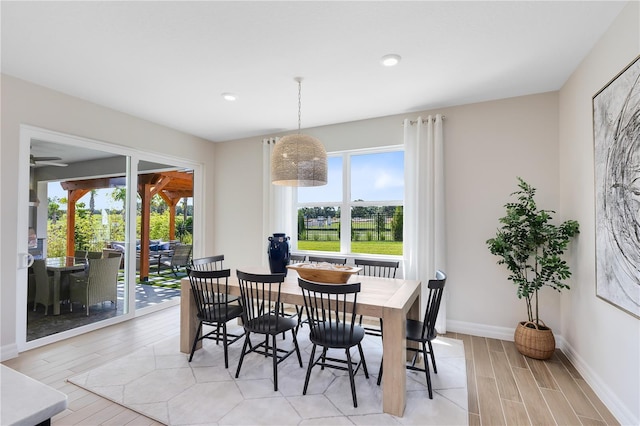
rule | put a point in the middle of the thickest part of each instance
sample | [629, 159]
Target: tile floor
[158, 381]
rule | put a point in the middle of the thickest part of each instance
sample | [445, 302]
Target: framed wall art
[616, 135]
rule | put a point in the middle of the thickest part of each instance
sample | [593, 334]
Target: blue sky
[374, 177]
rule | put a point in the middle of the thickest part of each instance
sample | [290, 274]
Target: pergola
[172, 186]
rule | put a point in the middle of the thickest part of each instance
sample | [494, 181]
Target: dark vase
[279, 253]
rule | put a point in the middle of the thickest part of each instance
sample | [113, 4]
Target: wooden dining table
[60, 265]
[393, 300]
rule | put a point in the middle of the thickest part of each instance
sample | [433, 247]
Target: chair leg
[282, 314]
[433, 358]
[195, 341]
[295, 344]
[351, 379]
[218, 334]
[426, 370]
[299, 312]
[244, 349]
[324, 358]
[306, 380]
[224, 342]
[275, 364]
[363, 361]
[381, 359]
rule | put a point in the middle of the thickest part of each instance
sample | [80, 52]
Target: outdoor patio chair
[43, 285]
[114, 253]
[179, 258]
[94, 255]
[333, 326]
[80, 255]
[423, 332]
[98, 284]
[260, 299]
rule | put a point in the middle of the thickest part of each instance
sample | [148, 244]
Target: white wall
[603, 341]
[25, 103]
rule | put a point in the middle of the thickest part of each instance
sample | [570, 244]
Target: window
[360, 209]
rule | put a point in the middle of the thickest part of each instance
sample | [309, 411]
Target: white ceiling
[169, 61]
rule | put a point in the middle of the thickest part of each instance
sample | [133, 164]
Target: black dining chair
[423, 332]
[332, 260]
[332, 325]
[211, 263]
[209, 290]
[260, 298]
[376, 268]
[297, 258]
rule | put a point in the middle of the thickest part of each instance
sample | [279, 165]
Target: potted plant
[531, 248]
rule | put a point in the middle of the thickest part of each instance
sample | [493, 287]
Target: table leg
[56, 292]
[188, 321]
[394, 382]
[394, 356]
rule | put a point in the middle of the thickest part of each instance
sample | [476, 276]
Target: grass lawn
[367, 247]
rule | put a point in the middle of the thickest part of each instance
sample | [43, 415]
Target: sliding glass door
[87, 203]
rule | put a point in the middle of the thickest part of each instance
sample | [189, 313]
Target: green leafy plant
[531, 247]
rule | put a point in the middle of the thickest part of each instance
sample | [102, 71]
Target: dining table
[392, 299]
[60, 266]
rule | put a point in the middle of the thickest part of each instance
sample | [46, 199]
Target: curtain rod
[412, 122]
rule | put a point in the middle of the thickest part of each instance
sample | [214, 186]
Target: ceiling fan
[46, 161]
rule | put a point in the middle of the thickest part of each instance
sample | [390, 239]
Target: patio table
[393, 300]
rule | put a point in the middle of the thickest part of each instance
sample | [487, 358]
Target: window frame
[346, 205]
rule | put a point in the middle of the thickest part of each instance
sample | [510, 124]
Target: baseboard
[8, 352]
[482, 330]
[609, 398]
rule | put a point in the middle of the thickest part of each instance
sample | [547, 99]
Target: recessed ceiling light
[390, 60]
[229, 97]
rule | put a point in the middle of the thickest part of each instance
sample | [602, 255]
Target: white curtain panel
[277, 201]
[424, 205]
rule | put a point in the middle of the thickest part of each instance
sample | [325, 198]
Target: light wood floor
[504, 387]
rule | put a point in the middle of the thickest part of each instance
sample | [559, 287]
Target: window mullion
[345, 208]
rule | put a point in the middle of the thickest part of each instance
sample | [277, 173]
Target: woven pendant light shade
[299, 160]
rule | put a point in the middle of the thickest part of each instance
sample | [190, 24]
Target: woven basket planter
[534, 341]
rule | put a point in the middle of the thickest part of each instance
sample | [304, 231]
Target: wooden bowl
[321, 273]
